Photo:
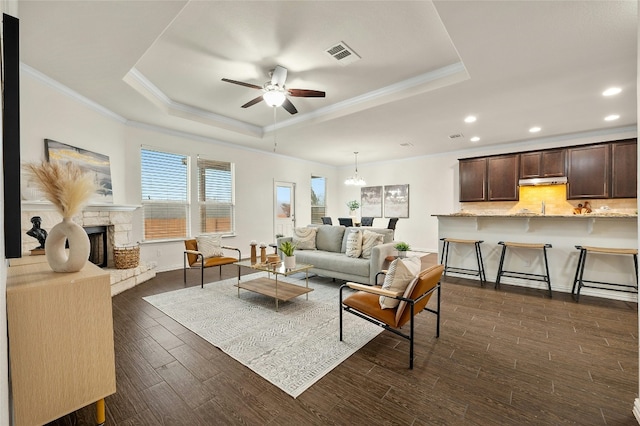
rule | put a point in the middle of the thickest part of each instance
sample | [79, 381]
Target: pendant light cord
[275, 131]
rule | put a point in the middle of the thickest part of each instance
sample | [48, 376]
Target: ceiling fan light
[274, 98]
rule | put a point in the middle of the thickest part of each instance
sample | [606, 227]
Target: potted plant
[402, 249]
[287, 248]
[353, 205]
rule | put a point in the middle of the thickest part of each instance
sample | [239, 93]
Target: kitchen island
[563, 232]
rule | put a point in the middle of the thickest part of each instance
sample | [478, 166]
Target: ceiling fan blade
[279, 76]
[253, 102]
[289, 107]
[304, 93]
[241, 83]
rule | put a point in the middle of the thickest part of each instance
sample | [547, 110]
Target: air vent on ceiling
[342, 53]
[456, 136]
[406, 144]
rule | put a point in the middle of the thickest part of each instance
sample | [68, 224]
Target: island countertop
[564, 232]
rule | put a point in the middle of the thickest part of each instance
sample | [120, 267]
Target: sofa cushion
[402, 272]
[369, 241]
[210, 245]
[331, 261]
[329, 238]
[354, 242]
[304, 238]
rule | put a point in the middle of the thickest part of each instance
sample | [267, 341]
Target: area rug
[291, 348]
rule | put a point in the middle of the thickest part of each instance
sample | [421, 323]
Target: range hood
[562, 180]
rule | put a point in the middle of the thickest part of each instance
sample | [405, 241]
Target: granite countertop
[596, 214]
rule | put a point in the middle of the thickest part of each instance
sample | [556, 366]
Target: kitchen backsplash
[555, 200]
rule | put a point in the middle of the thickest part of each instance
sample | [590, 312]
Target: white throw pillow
[369, 241]
[354, 243]
[304, 238]
[401, 273]
[210, 245]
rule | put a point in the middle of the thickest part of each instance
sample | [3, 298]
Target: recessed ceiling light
[611, 117]
[474, 139]
[535, 129]
[611, 91]
[470, 119]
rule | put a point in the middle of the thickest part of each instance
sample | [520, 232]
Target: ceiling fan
[275, 93]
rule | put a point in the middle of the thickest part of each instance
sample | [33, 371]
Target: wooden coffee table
[271, 286]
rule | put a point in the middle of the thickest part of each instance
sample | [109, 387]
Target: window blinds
[215, 196]
[165, 201]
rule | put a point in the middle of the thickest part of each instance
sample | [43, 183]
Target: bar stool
[465, 271]
[579, 281]
[524, 275]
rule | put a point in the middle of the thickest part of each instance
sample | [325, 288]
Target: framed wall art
[371, 201]
[95, 163]
[396, 201]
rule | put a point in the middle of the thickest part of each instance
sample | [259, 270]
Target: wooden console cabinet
[61, 351]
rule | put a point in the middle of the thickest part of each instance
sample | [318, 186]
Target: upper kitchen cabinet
[540, 164]
[624, 164]
[588, 171]
[502, 177]
[473, 179]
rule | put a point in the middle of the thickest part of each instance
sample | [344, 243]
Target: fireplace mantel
[100, 207]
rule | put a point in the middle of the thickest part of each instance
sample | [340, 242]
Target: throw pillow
[401, 273]
[369, 241]
[210, 245]
[304, 238]
[354, 243]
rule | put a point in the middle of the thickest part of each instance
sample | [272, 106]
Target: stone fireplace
[107, 225]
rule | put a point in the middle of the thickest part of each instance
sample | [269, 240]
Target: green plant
[279, 236]
[353, 204]
[402, 246]
[287, 247]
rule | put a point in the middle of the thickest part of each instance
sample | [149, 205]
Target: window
[165, 201]
[215, 196]
[318, 198]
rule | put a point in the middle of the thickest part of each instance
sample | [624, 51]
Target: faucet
[542, 211]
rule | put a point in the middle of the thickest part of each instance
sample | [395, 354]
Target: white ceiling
[425, 66]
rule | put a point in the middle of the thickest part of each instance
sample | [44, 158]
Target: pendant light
[355, 180]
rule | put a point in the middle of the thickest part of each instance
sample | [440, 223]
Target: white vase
[290, 262]
[79, 247]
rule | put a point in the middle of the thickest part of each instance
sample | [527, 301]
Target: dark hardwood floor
[511, 356]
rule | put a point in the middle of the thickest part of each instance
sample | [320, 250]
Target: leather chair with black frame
[365, 303]
[196, 259]
[345, 221]
[366, 221]
[326, 220]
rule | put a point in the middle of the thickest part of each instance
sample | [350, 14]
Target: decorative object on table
[353, 205]
[371, 201]
[402, 248]
[95, 164]
[287, 248]
[126, 257]
[68, 188]
[263, 252]
[396, 200]
[355, 180]
[38, 233]
[273, 259]
[254, 254]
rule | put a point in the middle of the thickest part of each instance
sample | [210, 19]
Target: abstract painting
[371, 201]
[396, 200]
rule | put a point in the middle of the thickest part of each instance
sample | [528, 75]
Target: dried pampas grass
[66, 185]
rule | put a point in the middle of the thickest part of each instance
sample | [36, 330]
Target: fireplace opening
[98, 243]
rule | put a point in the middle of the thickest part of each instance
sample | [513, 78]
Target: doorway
[284, 206]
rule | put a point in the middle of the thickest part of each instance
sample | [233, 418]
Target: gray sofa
[329, 258]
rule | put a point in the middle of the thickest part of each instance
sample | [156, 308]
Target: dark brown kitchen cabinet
[539, 164]
[502, 177]
[588, 171]
[473, 179]
[624, 164]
